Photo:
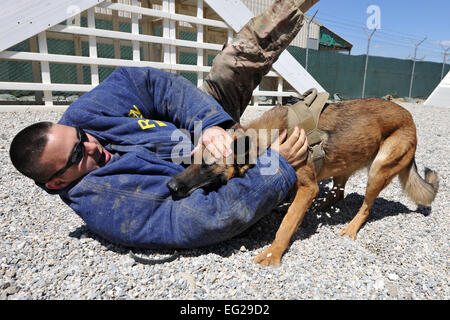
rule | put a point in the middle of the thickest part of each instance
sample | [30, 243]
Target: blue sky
[403, 22]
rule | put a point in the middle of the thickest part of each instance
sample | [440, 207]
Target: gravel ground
[402, 252]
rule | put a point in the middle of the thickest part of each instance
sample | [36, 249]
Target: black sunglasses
[76, 156]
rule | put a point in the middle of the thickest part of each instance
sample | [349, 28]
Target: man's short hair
[26, 149]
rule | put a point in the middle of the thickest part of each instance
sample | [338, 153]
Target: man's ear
[56, 183]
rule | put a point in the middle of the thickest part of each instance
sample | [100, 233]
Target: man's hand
[294, 148]
[216, 141]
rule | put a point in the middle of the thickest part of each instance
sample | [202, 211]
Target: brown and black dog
[372, 133]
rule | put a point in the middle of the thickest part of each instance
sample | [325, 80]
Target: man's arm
[147, 93]
[174, 98]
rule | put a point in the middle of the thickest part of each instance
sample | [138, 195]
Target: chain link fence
[343, 74]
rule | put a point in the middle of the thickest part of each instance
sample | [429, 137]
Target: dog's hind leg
[335, 195]
[307, 189]
[393, 156]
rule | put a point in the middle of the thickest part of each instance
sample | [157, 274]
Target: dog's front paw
[269, 258]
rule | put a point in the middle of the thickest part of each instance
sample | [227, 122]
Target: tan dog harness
[305, 114]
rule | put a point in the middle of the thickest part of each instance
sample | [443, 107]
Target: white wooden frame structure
[440, 97]
[169, 42]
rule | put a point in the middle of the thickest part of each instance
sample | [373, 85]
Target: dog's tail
[422, 191]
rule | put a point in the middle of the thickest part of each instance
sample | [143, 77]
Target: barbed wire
[385, 36]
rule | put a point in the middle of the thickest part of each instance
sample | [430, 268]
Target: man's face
[61, 143]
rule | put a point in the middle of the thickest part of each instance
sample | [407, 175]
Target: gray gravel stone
[402, 252]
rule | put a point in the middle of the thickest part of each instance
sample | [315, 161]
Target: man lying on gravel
[111, 154]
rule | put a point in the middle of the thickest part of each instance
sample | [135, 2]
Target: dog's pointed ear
[241, 148]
